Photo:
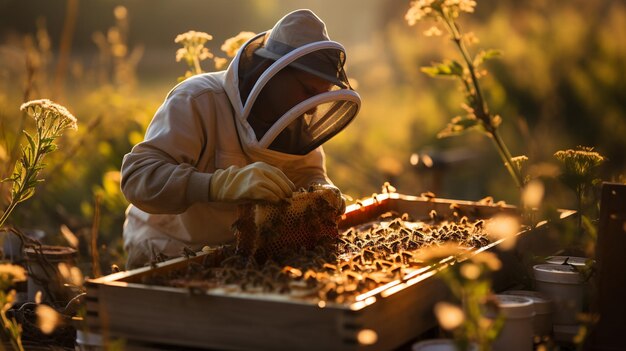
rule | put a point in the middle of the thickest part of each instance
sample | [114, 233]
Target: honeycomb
[308, 219]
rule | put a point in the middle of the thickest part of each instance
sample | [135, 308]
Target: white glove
[256, 181]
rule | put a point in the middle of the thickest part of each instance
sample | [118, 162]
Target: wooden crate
[120, 306]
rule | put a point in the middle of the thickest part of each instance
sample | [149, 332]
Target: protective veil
[294, 91]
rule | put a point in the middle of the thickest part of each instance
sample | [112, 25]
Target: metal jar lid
[541, 302]
[512, 306]
[556, 273]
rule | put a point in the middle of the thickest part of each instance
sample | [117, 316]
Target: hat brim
[262, 52]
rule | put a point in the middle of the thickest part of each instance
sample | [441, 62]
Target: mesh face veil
[298, 101]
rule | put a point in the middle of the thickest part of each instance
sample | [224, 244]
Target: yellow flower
[449, 316]
[231, 45]
[489, 259]
[580, 160]
[193, 37]
[220, 62]
[470, 271]
[12, 272]
[418, 9]
[47, 318]
[433, 32]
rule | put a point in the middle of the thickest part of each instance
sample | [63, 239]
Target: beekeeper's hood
[289, 89]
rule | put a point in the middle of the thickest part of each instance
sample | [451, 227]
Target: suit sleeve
[159, 174]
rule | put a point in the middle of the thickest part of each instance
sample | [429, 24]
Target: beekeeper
[252, 132]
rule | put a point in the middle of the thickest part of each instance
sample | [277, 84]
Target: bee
[330, 266]
[353, 275]
[486, 200]
[187, 252]
[388, 188]
[369, 255]
[396, 223]
[396, 271]
[375, 198]
[433, 215]
[479, 224]
[429, 195]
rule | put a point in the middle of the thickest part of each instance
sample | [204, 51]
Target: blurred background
[561, 82]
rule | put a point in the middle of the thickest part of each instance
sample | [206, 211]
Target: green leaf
[484, 55]
[27, 194]
[459, 125]
[447, 69]
[48, 148]
[31, 141]
[456, 68]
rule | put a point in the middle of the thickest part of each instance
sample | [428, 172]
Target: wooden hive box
[120, 306]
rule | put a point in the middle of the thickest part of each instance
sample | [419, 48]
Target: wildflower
[463, 5]
[220, 62]
[519, 161]
[433, 31]
[470, 271]
[580, 161]
[533, 194]
[51, 120]
[471, 38]
[231, 45]
[449, 316]
[503, 227]
[489, 259]
[48, 113]
[418, 9]
[12, 272]
[193, 37]
[47, 318]
[193, 50]
[120, 12]
[69, 236]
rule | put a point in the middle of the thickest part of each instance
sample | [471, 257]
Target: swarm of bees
[360, 259]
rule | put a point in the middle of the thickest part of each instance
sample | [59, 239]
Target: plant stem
[479, 104]
[24, 185]
[506, 157]
[196, 64]
[7, 212]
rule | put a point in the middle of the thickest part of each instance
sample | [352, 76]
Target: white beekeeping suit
[252, 132]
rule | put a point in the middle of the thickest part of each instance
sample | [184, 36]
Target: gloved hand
[340, 201]
[256, 181]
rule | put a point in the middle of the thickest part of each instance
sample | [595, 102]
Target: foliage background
[560, 83]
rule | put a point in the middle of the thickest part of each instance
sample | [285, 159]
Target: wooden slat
[220, 322]
[608, 334]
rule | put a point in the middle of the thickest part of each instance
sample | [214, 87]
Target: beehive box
[152, 316]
